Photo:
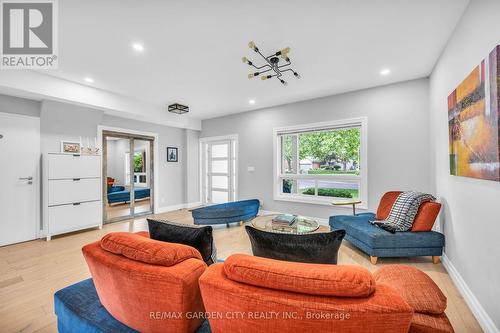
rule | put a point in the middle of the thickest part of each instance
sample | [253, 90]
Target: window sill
[317, 201]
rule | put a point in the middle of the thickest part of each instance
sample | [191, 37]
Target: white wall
[398, 141]
[471, 214]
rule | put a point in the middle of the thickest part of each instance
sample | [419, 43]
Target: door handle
[26, 178]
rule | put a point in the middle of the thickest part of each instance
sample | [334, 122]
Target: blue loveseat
[377, 242]
[120, 194]
[227, 213]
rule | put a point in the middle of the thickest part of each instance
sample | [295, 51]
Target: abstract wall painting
[474, 122]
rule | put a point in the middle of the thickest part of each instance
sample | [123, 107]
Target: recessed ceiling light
[385, 71]
[138, 47]
[251, 102]
[89, 79]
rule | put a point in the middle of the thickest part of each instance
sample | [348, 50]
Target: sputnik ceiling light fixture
[274, 67]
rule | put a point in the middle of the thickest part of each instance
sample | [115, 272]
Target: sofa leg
[227, 225]
[373, 260]
[435, 259]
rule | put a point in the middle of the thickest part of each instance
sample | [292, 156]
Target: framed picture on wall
[70, 147]
[172, 154]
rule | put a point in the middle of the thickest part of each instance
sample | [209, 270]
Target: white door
[220, 166]
[19, 178]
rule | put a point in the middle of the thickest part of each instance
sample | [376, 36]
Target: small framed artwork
[172, 154]
[70, 147]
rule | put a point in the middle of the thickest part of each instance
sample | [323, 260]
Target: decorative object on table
[195, 236]
[276, 64]
[376, 242]
[300, 225]
[347, 203]
[318, 248]
[70, 147]
[172, 154]
[178, 108]
[230, 212]
[284, 220]
[474, 122]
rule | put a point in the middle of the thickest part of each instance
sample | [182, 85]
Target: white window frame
[361, 122]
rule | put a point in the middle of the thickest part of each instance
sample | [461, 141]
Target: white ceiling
[193, 48]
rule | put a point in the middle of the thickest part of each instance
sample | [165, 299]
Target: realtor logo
[29, 36]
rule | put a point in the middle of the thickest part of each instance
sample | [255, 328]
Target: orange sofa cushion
[313, 279]
[143, 249]
[416, 287]
[385, 205]
[426, 215]
[383, 311]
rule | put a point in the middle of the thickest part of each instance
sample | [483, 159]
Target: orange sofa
[255, 295]
[142, 282]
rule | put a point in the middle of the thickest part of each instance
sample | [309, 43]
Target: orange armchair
[141, 281]
[256, 295]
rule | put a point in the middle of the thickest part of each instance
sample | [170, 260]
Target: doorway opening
[219, 169]
[128, 169]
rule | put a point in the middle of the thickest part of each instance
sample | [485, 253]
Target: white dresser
[72, 190]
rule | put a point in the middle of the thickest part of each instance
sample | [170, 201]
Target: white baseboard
[321, 221]
[171, 208]
[482, 317]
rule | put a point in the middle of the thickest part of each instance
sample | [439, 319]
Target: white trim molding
[362, 179]
[477, 309]
[171, 208]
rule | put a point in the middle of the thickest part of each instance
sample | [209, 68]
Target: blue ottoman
[227, 213]
[377, 242]
[79, 310]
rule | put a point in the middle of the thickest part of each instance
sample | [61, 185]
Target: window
[317, 163]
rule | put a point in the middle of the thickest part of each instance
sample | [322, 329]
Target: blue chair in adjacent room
[231, 212]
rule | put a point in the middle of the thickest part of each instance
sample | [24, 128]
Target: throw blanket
[403, 211]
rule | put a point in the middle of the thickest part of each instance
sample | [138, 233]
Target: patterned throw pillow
[199, 237]
[403, 211]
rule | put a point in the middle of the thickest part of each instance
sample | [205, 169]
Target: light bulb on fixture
[251, 45]
[245, 60]
[250, 76]
[297, 75]
[283, 82]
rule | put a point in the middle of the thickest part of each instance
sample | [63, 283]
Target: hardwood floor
[123, 209]
[31, 272]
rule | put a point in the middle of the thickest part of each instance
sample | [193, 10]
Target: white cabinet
[72, 193]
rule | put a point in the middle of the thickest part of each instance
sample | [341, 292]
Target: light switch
[251, 169]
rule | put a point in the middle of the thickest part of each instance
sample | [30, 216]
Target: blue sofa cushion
[360, 228]
[79, 310]
[227, 212]
[113, 189]
[124, 196]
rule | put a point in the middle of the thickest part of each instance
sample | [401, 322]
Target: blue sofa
[120, 194]
[79, 310]
[377, 242]
[227, 213]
